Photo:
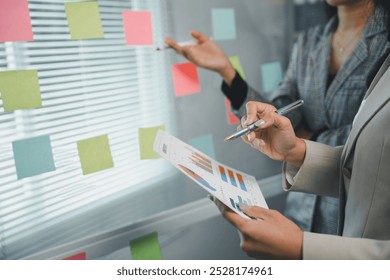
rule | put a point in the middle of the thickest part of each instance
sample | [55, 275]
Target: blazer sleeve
[332, 247]
[320, 172]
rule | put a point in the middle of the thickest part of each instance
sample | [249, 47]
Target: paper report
[230, 186]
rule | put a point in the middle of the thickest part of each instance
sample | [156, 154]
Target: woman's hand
[206, 54]
[276, 138]
[267, 234]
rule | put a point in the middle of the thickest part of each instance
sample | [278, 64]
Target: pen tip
[227, 139]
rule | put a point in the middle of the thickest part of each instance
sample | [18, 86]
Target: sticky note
[271, 74]
[146, 138]
[146, 248]
[84, 20]
[224, 24]
[204, 143]
[33, 156]
[232, 119]
[138, 27]
[95, 154]
[185, 79]
[79, 256]
[235, 61]
[15, 22]
[20, 89]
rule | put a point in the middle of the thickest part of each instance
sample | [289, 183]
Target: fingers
[200, 37]
[258, 110]
[256, 212]
[171, 43]
[252, 138]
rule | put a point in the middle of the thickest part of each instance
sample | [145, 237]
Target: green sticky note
[146, 138]
[20, 90]
[95, 154]
[235, 61]
[84, 20]
[146, 248]
[224, 24]
[271, 75]
[33, 156]
[205, 144]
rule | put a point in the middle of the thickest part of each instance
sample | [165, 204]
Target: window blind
[89, 88]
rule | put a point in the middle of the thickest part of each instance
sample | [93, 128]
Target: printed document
[230, 186]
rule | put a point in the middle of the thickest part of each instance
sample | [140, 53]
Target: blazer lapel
[375, 25]
[377, 95]
[319, 61]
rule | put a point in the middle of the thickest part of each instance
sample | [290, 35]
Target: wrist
[296, 156]
[228, 73]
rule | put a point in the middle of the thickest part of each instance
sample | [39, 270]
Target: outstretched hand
[206, 54]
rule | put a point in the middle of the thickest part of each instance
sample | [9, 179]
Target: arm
[269, 234]
[319, 173]
[207, 54]
[286, 92]
[326, 247]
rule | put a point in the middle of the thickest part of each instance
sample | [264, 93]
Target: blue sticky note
[224, 24]
[205, 144]
[271, 74]
[33, 156]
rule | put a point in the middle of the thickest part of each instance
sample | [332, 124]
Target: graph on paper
[230, 186]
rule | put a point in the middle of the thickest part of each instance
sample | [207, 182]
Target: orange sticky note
[185, 79]
[232, 119]
[15, 22]
[138, 27]
[79, 256]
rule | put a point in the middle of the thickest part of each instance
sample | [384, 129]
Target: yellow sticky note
[95, 154]
[146, 248]
[146, 138]
[20, 90]
[84, 20]
[235, 61]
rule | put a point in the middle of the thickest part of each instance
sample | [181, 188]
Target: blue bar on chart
[241, 201]
[223, 173]
[244, 202]
[234, 205]
[241, 181]
[232, 179]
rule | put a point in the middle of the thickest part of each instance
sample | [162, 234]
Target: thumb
[200, 37]
[255, 212]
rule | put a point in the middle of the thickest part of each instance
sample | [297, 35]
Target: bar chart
[200, 161]
[233, 178]
[230, 186]
[240, 201]
[197, 177]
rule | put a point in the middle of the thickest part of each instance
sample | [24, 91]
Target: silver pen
[281, 111]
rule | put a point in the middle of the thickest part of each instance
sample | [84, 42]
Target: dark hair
[385, 6]
[330, 10]
[382, 4]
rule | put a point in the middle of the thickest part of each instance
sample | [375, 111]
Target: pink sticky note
[79, 256]
[138, 27]
[185, 79]
[232, 119]
[15, 22]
